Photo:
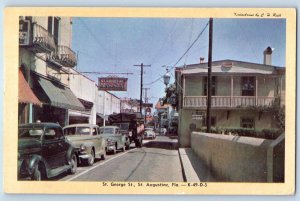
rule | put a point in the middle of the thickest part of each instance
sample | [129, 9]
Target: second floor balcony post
[231, 91]
[256, 87]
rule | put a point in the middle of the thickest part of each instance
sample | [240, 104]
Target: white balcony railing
[42, 40]
[64, 56]
[227, 101]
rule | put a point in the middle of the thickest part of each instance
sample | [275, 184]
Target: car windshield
[31, 132]
[77, 131]
[106, 130]
[148, 129]
[122, 126]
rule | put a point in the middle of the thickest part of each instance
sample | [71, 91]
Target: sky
[115, 45]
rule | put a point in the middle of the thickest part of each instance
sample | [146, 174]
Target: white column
[256, 82]
[231, 91]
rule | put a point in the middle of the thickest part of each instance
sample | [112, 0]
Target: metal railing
[42, 40]
[66, 56]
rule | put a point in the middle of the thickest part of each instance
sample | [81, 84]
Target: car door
[54, 147]
[120, 137]
[96, 139]
[101, 139]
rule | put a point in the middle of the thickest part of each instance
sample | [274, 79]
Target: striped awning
[26, 95]
[55, 94]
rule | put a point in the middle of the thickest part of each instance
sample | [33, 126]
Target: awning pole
[30, 112]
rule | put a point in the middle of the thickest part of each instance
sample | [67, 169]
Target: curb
[189, 174]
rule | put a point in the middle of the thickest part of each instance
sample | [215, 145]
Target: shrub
[245, 132]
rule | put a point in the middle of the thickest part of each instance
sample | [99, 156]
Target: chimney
[201, 60]
[268, 56]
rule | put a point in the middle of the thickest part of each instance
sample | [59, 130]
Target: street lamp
[166, 78]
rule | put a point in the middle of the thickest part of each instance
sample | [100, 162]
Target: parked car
[86, 138]
[44, 152]
[149, 133]
[163, 131]
[115, 139]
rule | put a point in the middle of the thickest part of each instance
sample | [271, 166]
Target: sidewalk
[193, 169]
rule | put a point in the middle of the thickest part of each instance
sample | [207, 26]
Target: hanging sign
[112, 84]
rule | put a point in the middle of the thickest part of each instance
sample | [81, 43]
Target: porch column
[67, 117]
[30, 113]
[256, 83]
[231, 91]
[183, 91]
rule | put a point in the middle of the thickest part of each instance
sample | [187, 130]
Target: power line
[96, 39]
[182, 55]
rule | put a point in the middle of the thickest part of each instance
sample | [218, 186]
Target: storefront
[85, 116]
[26, 99]
[57, 99]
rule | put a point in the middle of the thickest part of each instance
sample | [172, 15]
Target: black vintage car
[44, 152]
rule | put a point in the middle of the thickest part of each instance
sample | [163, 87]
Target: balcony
[227, 101]
[64, 56]
[42, 40]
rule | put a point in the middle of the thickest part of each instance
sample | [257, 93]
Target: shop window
[213, 121]
[53, 27]
[213, 85]
[248, 86]
[247, 122]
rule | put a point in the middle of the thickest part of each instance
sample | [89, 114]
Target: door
[96, 140]
[54, 147]
[120, 138]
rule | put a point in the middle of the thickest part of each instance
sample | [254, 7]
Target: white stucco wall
[107, 103]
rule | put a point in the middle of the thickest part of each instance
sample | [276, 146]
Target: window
[247, 122]
[248, 86]
[94, 131]
[53, 27]
[213, 85]
[83, 130]
[213, 121]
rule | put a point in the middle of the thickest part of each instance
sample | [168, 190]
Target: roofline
[206, 63]
[79, 73]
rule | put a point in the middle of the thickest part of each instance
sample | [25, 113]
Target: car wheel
[103, 156]
[73, 164]
[127, 145]
[115, 149]
[90, 161]
[39, 173]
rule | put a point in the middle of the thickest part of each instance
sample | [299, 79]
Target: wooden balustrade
[227, 101]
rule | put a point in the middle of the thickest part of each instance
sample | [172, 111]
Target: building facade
[45, 54]
[129, 105]
[107, 103]
[85, 90]
[242, 92]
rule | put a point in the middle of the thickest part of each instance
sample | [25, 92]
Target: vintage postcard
[150, 100]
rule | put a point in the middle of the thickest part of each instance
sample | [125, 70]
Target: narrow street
[157, 160]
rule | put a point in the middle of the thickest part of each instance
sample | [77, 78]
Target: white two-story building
[241, 94]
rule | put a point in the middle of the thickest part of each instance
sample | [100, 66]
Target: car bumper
[84, 156]
[111, 148]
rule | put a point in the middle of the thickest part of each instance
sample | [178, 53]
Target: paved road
[157, 160]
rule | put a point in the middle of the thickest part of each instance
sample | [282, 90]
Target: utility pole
[141, 89]
[208, 114]
[146, 101]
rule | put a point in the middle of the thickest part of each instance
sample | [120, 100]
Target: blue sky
[116, 44]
